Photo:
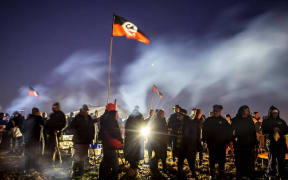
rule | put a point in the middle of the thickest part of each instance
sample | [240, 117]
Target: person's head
[85, 109]
[256, 115]
[44, 115]
[198, 113]
[56, 107]
[151, 112]
[228, 117]
[217, 110]
[210, 114]
[1, 115]
[16, 114]
[71, 114]
[177, 108]
[110, 107]
[161, 114]
[273, 112]
[243, 111]
[35, 111]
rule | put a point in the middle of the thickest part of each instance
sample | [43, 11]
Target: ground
[11, 167]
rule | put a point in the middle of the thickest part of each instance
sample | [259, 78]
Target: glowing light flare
[145, 131]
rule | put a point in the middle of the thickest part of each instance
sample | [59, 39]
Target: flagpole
[109, 71]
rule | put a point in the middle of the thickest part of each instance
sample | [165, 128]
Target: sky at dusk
[201, 53]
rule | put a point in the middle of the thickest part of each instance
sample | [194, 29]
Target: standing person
[199, 121]
[258, 124]
[82, 128]
[173, 126]
[54, 125]
[111, 140]
[15, 126]
[160, 140]
[134, 143]
[188, 140]
[32, 138]
[217, 133]
[148, 122]
[3, 124]
[276, 128]
[245, 143]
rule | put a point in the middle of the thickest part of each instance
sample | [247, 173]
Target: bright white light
[152, 64]
[145, 131]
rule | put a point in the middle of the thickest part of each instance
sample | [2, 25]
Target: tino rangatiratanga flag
[122, 27]
[33, 92]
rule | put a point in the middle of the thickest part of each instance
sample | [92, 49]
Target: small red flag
[33, 92]
[156, 90]
[122, 27]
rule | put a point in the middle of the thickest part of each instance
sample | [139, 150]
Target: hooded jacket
[270, 125]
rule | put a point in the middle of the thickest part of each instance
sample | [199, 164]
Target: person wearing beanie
[110, 136]
[217, 133]
[275, 129]
[82, 128]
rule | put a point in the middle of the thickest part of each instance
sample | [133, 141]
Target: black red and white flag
[122, 27]
[156, 90]
[33, 92]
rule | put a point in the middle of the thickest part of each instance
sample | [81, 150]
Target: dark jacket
[173, 123]
[109, 128]
[18, 123]
[56, 122]
[216, 131]
[245, 132]
[134, 144]
[82, 128]
[268, 128]
[32, 129]
[159, 135]
[3, 122]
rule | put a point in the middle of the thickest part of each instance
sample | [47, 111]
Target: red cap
[111, 107]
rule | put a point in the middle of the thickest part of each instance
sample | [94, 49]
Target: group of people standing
[184, 133]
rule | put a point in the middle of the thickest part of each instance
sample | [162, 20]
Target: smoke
[246, 68]
[229, 71]
[72, 83]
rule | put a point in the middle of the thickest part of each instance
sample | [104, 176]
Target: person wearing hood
[32, 138]
[159, 140]
[245, 143]
[15, 126]
[82, 128]
[54, 125]
[134, 143]
[217, 132]
[275, 129]
[110, 136]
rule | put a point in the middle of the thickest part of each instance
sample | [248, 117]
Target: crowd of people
[186, 134]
